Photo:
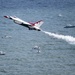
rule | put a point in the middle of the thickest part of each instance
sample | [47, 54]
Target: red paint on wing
[32, 24]
[38, 22]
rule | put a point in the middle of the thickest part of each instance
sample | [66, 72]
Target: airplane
[29, 25]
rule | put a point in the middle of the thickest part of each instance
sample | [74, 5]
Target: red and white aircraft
[29, 25]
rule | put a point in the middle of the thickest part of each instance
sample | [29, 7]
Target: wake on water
[67, 38]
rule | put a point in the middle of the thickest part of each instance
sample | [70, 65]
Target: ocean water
[57, 44]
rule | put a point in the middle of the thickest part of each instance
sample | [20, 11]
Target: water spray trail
[67, 38]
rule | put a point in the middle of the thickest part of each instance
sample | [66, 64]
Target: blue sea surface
[56, 56]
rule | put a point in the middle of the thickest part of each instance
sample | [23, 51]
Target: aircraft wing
[17, 20]
[38, 24]
[21, 21]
